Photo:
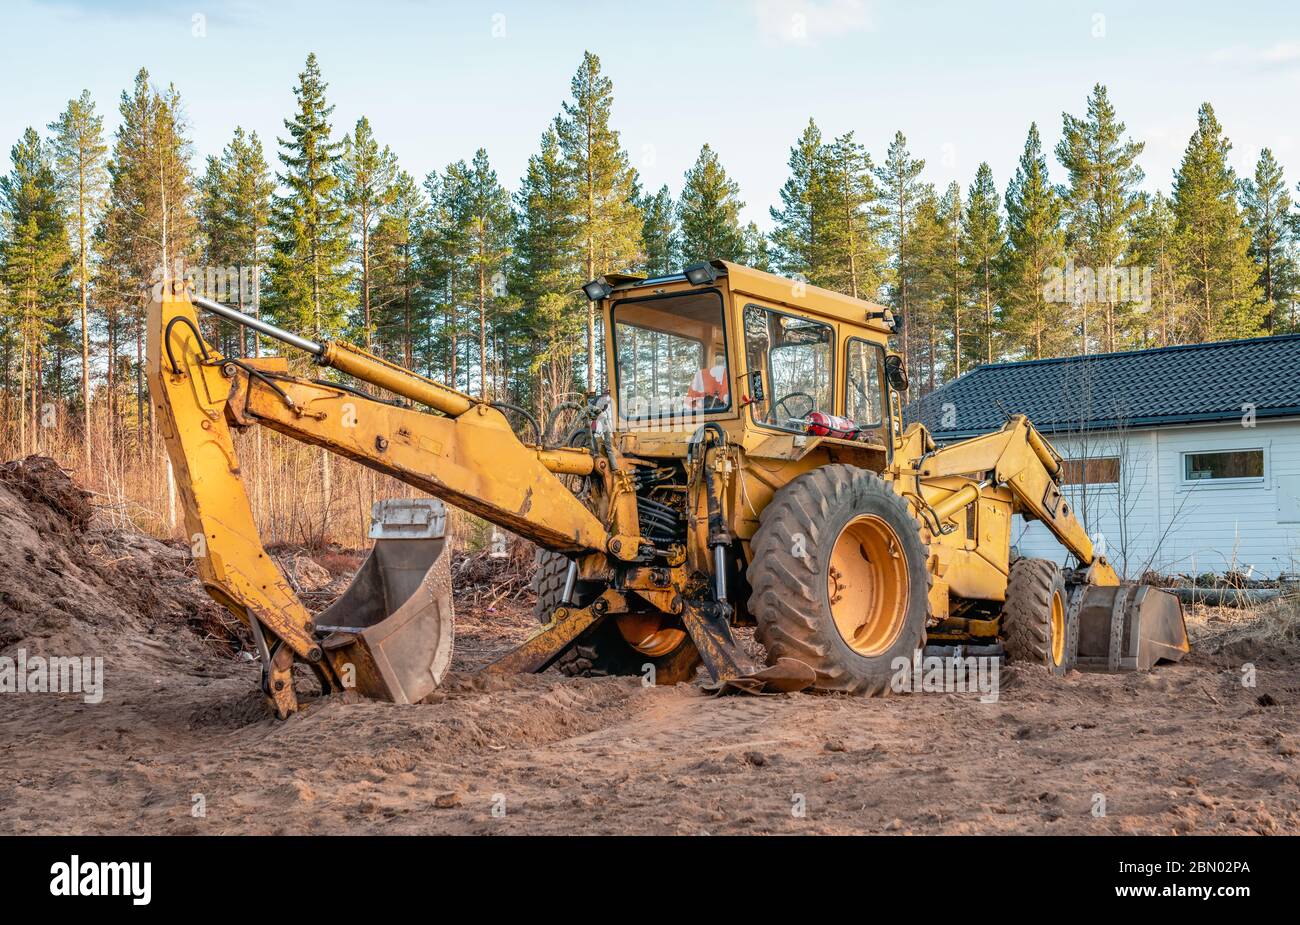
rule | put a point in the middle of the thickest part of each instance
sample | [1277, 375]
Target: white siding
[1183, 528]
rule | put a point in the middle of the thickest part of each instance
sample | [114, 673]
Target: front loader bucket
[1129, 627]
[390, 635]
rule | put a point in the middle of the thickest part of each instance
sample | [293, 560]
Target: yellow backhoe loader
[747, 465]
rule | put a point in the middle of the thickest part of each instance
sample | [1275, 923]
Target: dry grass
[1274, 625]
[300, 495]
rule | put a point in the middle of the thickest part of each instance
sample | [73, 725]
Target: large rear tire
[1036, 624]
[839, 579]
[602, 650]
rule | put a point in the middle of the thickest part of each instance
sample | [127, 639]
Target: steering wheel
[812, 405]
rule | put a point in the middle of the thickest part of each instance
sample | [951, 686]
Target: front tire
[839, 579]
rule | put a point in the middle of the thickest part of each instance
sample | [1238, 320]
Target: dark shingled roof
[1165, 385]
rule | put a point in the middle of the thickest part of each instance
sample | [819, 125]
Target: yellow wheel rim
[1058, 628]
[867, 585]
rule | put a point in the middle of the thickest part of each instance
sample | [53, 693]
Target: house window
[1100, 470]
[1224, 466]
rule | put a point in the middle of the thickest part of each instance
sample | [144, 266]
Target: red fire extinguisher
[821, 424]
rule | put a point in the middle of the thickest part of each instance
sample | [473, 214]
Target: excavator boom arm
[467, 455]
[474, 461]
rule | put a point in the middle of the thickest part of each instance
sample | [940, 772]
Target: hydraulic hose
[523, 413]
[555, 415]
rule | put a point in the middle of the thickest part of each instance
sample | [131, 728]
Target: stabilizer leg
[547, 643]
[730, 669]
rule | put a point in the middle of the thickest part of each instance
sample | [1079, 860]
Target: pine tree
[212, 205]
[366, 176]
[80, 155]
[34, 261]
[309, 275]
[545, 277]
[952, 281]
[983, 242]
[1153, 246]
[252, 189]
[605, 186]
[148, 230]
[852, 219]
[447, 249]
[927, 282]
[397, 308]
[709, 212]
[1036, 245]
[1267, 205]
[659, 234]
[432, 268]
[796, 237]
[235, 210]
[901, 191]
[491, 225]
[1287, 286]
[1212, 239]
[1100, 199]
[757, 251]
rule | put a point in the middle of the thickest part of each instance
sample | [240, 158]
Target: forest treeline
[475, 280]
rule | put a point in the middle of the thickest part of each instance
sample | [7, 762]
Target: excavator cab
[670, 358]
[753, 353]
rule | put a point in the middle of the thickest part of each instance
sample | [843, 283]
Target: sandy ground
[1184, 749]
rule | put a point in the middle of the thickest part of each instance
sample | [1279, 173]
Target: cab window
[862, 383]
[670, 356]
[795, 358]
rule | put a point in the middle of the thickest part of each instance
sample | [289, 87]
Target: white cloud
[807, 22]
[1283, 55]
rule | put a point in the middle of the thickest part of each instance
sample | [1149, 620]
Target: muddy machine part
[1129, 627]
[390, 634]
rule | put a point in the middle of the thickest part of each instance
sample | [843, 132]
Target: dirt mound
[71, 589]
[41, 481]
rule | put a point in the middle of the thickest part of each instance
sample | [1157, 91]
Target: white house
[1182, 460]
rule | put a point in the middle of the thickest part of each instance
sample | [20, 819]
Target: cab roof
[777, 290]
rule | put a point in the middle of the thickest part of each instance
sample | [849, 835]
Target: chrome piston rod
[261, 327]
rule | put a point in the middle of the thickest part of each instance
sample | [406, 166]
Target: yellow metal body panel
[970, 542]
[189, 405]
[473, 461]
[814, 301]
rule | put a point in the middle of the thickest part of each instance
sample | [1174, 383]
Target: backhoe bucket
[390, 635]
[1129, 627]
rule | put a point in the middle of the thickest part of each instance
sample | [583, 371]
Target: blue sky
[961, 80]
